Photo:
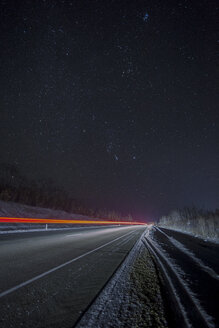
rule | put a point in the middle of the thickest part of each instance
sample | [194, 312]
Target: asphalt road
[48, 279]
[198, 262]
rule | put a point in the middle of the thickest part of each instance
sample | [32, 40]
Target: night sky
[116, 101]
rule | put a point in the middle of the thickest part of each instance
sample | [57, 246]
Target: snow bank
[10, 209]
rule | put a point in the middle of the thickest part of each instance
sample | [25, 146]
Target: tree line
[17, 188]
[197, 221]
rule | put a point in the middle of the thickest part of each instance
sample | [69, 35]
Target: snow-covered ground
[206, 238]
[191, 254]
[21, 210]
[181, 272]
[132, 298]
[10, 209]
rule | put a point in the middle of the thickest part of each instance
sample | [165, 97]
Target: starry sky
[115, 100]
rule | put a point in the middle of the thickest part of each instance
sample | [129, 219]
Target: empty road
[49, 278]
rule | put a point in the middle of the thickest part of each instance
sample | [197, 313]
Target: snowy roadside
[212, 240]
[191, 273]
[21, 210]
[10, 209]
[191, 254]
[132, 298]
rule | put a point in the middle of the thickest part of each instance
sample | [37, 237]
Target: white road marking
[74, 235]
[25, 283]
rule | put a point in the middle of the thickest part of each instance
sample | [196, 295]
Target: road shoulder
[132, 298]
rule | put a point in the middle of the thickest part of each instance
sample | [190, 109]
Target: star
[139, 105]
[146, 16]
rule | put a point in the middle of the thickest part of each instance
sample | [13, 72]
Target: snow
[180, 275]
[188, 252]
[10, 209]
[212, 240]
[181, 307]
[121, 303]
[21, 210]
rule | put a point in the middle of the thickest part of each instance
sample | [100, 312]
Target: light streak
[58, 221]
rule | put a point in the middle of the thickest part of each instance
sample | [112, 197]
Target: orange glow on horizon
[58, 221]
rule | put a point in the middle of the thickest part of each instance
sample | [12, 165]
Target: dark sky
[116, 101]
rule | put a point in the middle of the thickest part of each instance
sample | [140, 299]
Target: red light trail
[58, 221]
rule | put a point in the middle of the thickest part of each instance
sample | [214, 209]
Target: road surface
[48, 279]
